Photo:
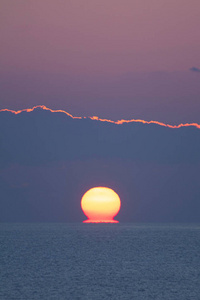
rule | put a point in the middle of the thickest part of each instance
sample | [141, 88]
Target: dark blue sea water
[99, 261]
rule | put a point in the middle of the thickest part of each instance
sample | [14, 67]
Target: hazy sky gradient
[102, 58]
[100, 36]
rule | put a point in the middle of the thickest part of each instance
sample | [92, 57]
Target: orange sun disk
[100, 204]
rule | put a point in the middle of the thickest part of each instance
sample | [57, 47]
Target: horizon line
[95, 118]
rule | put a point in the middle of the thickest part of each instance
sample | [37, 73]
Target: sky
[100, 36]
[115, 59]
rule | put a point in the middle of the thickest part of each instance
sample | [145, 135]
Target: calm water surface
[99, 261]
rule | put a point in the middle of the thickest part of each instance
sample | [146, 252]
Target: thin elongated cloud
[96, 118]
[168, 97]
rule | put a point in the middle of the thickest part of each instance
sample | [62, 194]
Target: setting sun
[100, 204]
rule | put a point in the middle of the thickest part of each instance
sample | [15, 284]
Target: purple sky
[100, 57]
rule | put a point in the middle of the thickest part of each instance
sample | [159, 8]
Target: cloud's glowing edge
[119, 122]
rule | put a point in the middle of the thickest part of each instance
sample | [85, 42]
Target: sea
[99, 261]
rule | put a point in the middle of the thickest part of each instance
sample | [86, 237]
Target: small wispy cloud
[194, 69]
